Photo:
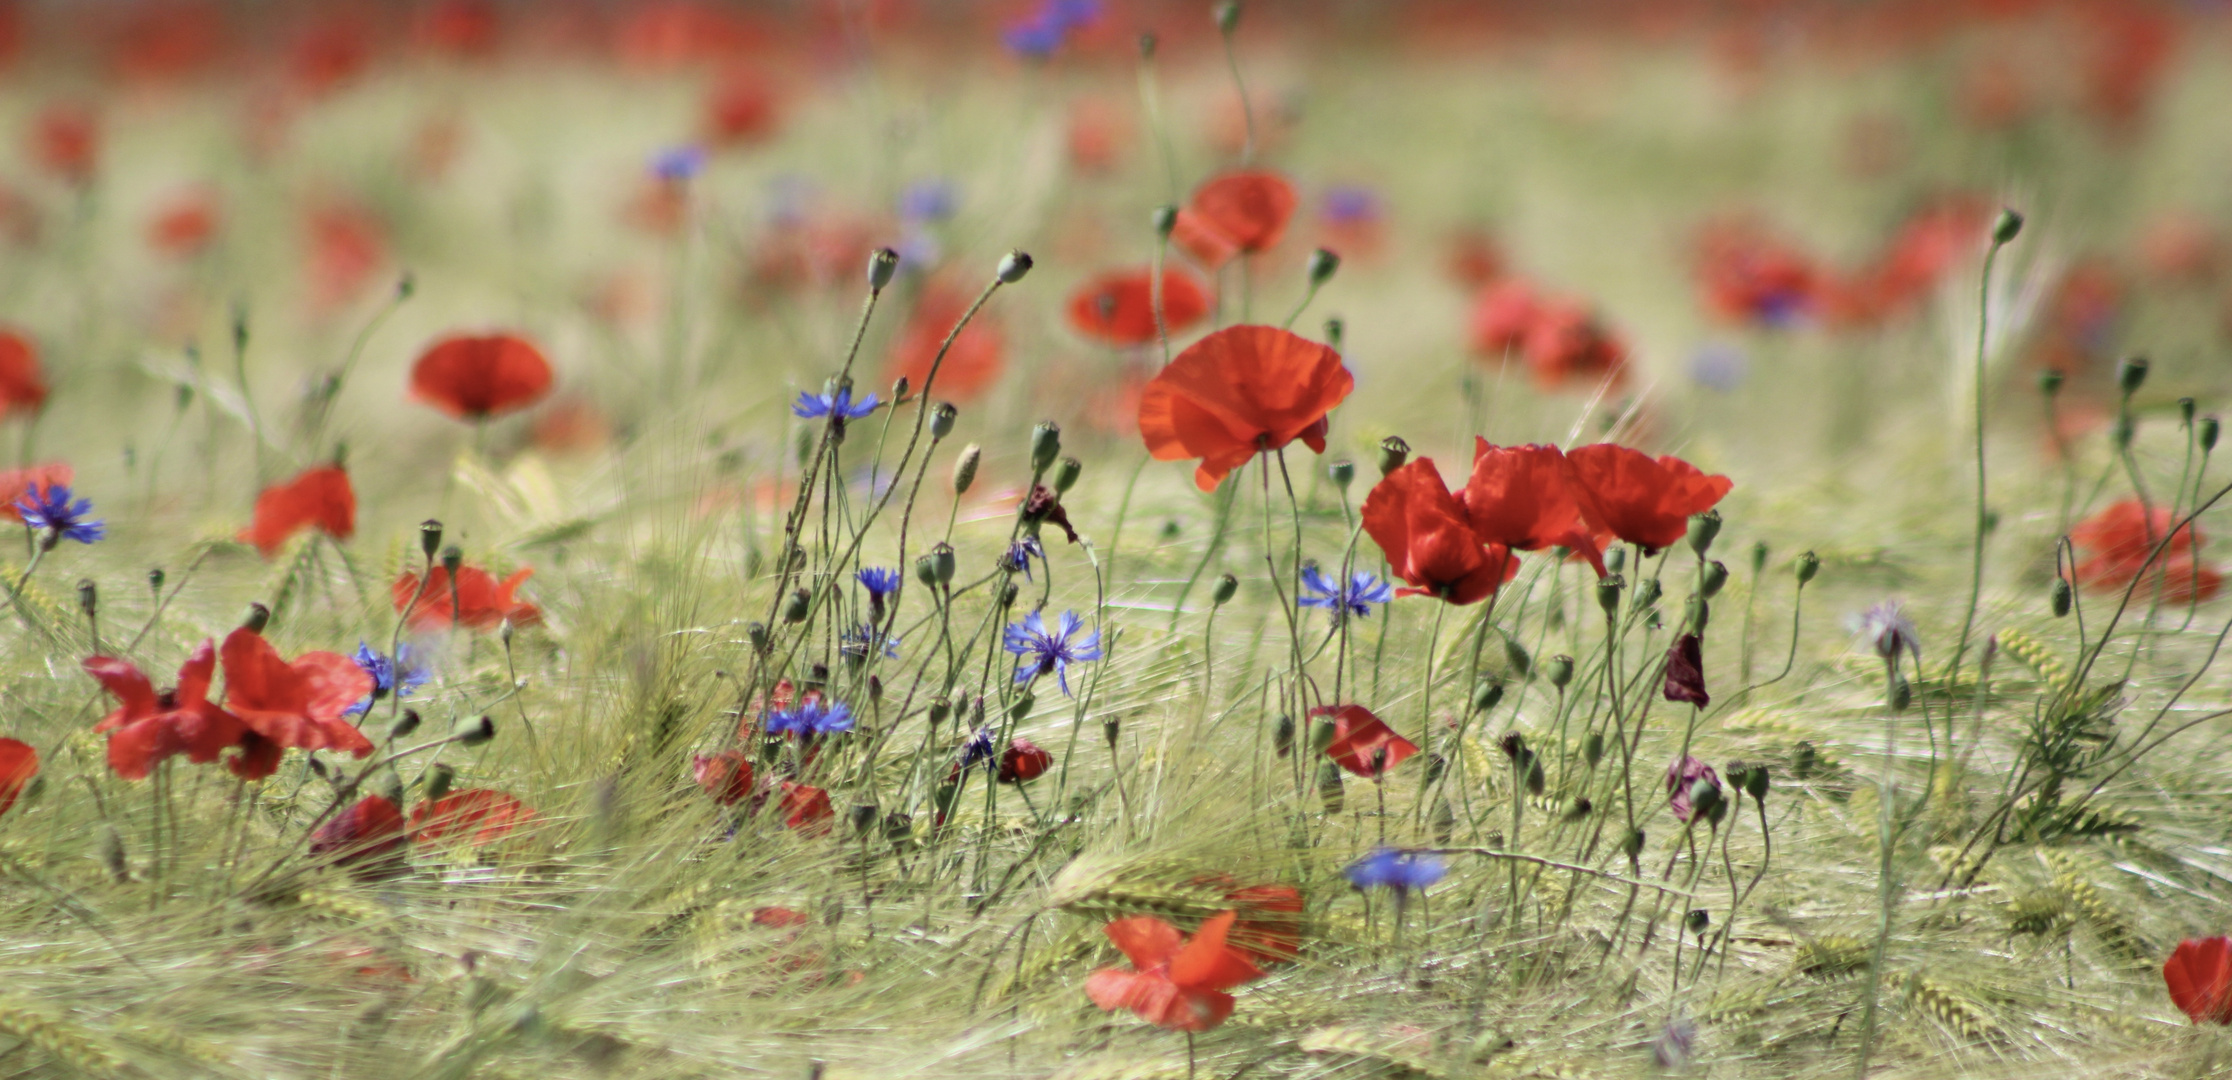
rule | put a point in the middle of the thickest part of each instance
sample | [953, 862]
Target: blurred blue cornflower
[1394, 868]
[1037, 35]
[812, 716]
[679, 163]
[927, 200]
[49, 509]
[1051, 651]
[1719, 366]
[810, 406]
[384, 678]
[1350, 204]
[1357, 598]
[1020, 553]
[979, 748]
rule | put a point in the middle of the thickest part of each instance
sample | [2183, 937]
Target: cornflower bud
[1394, 452]
[1007, 595]
[258, 617]
[2006, 226]
[940, 708]
[1608, 594]
[942, 418]
[1226, 587]
[1513, 745]
[1111, 728]
[883, 264]
[795, 608]
[1046, 445]
[1807, 566]
[1716, 578]
[875, 689]
[430, 538]
[1066, 473]
[1702, 529]
[1559, 670]
[2131, 375]
[1013, 266]
[1342, 473]
[2061, 597]
[1322, 266]
[1165, 219]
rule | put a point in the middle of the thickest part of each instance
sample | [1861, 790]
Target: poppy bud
[155, 580]
[259, 617]
[1110, 729]
[1758, 557]
[1615, 560]
[1066, 473]
[2006, 226]
[883, 264]
[1608, 594]
[452, 558]
[430, 538]
[482, 730]
[1322, 266]
[404, 725]
[1559, 670]
[1228, 16]
[1147, 46]
[1046, 445]
[1282, 735]
[2050, 382]
[1716, 576]
[875, 689]
[1537, 781]
[1435, 766]
[1013, 266]
[942, 557]
[863, 817]
[1696, 612]
[1021, 706]
[1515, 655]
[1631, 843]
[1444, 822]
[89, 597]
[756, 633]
[1697, 920]
[1335, 332]
[2131, 374]
[940, 708]
[1394, 452]
[1329, 788]
[438, 781]
[1166, 219]
[2061, 597]
[1808, 565]
[1007, 594]
[1342, 473]
[965, 468]
[1226, 586]
[795, 608]
[1646, 594]
[1901, 694]
[1704, 796]
[1803, 759]
[1512, 744]
[1592, 748]
[1321, 736]
[1486, 695]
[942, 418]
[2125, 427]
[2185, 412]
[1702, 529]
[1579, 808]
[1652, 620]
[2207, 429]
[900, 388]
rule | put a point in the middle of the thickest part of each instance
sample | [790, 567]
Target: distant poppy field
[1115, 539]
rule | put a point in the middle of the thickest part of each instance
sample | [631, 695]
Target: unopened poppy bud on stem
[1559, 670]
[1703, 528]
[1592, 748]
[405, 725]
[965, 468]
[1228, 16]
[1758, 557]
[1046, 445]
[1342, 473]
[2061, 597]
[1515, 654]
[1807, 566]
[1335, 331]
[1323, 264]
[430, 538]
[1321, 736]
[155, 580]
[1615, 560]
[1631, 843]
[483, 729]
[2131, 375]
[1608, 594]
[1282, 735]
[756, 633]
[1487, 694]
[1696, 613]
[942, 418]
[2006, 226]
[883, 264]
[1226, 587]
[2207, 431]
[438, 781]
[1646, 593]
[1394, 454]
[1066, 473]
[1166, 219]
[900, 388]
[1697, 921]
[795, 609]
[1716, 578]
[258, 617]
[1013, 266]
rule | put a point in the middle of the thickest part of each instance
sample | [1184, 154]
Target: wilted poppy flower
[1175, 983]
[473, 378]
[481, 602]
[1566, 343]
[66, 141]
[298, 704]
[18, 764]
[1685, 672]
[1640, 499]
[319, 496]
[2198, 973]
[22, 385]
[1238, 213]
[183, 227]
[148, 727]
[806, 808]
[1119, 307]
[740, 110]
[1429, 540]
[486, 815]
[2117, 542]
[970, 367]
[1024, 761]
[1363, 743]
[1240, 391]
[727, 776]
[1526, 498]
[368, 832]
[1681, 776]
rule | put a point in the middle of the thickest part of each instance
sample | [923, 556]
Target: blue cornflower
[879, 581]
[1347, 205]
[815, 715]
[1719, 366]
[860, 640]
[383, 672]
[979, 748]
[1020, 553]
[49, 508]
[1071, 14]
[1034, 38]
[927, 200]
[1394, 868]
[1362, 592]
[678, 163]
[1045, 651]
[809, 406]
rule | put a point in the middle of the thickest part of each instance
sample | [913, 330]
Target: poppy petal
[1148, 941]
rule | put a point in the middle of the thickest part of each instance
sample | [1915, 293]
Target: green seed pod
[1166, 219]
[1515, 655]
[1592, 748]
[1716, 577]
[430, 537]
[1487, 694]
[941, 556]
[1807, 566]
[2131, 374]
[942, 420]
[796, 608]
[1066, 473]
[2006, 226]
[926, 570]
[1608, 594]
[1013, 266]
[1329, 788]
[1755, 783]
[1226, 587]
[1394, 453]
[1322, 266]
[2061, 597]
[1342, 473]
[257, 618]
[438, 782]
[452, 558]
[1559, 670]
[1046, 445]
[883, 264]
[965, 468]
[2206, 431]
[1703, 528]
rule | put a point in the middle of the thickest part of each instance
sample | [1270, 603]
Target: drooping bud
[2061, 597]
[1716, 577]
[405, 724]
[1321, 735]
[2131, 374]
[1592, 748]
[1631, 843]
[942, 418]
[883, 264]
[1559, 670]
[1615, 560]
[1342, 473]
[482, 730]
[1487, 694]
[1066, 473]
[1394, 452]
[1329, 788]
[438, 781]
[1702, 529]
[1013, 266]
[1807, 566]
[1226, 587]
[257, 618]
[430, 537]
[796, 608]
[1322, 266]
[1704, 797]
[965, 468]
[1046, 445]
[1646, 594]
[2006, 226]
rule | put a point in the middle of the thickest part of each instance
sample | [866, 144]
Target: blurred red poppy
[2117, 542]
[1429, 540]
[740, 110]
[1024, 761]
[481, 602]
[778, 917]
[294, 704]
[806, 808]
[727, 776]
[463, 28]
[22, 385]
[1640, 499]
[18, 764]
[485, 814]
[66, 141]
[1237, 392]
[1526, 498]
[1502, 314]
[330, 52]
[1472, 259]
[183, 227]
[2181, 247]
[370, 831]
[1749, 275]
[1566, 343]
[1119, 307]
[147, 727]
[1098, 131]
[572, 425]
[17, 483]
[347, 244]
[1237, 213]
[1362, 740]
[319, 497]
[1269, 927]
[476, 377]
[1175, 983]
[971, 365]
[2198, 973]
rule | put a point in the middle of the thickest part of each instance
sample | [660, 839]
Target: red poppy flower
[368, 831]
[318, 497]
[740, 110]
[148, 727]
[1024, 761]
[1750, 276]
[1119, 307]
[2199, 975]
[806, 808]
[486, 815]
[1502, 314]
[330, 53]
[1175, 983]
[473, 378]
[347, 245]
[1472, 259]
[727, 776]
[1429, 539]
[22, 386]
[1526, 498]
[1241, 390]
[1639, 499]
[1203, 242]
[1566, 344]
[183, 228]
[296, 704]
[66, 141]
[971, 366]
[464, 28]
[1247, 211]
[18, 764]
[2117, 541]
[1269, 929]
[482, 602]
[1360, 738]
[778, 917]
